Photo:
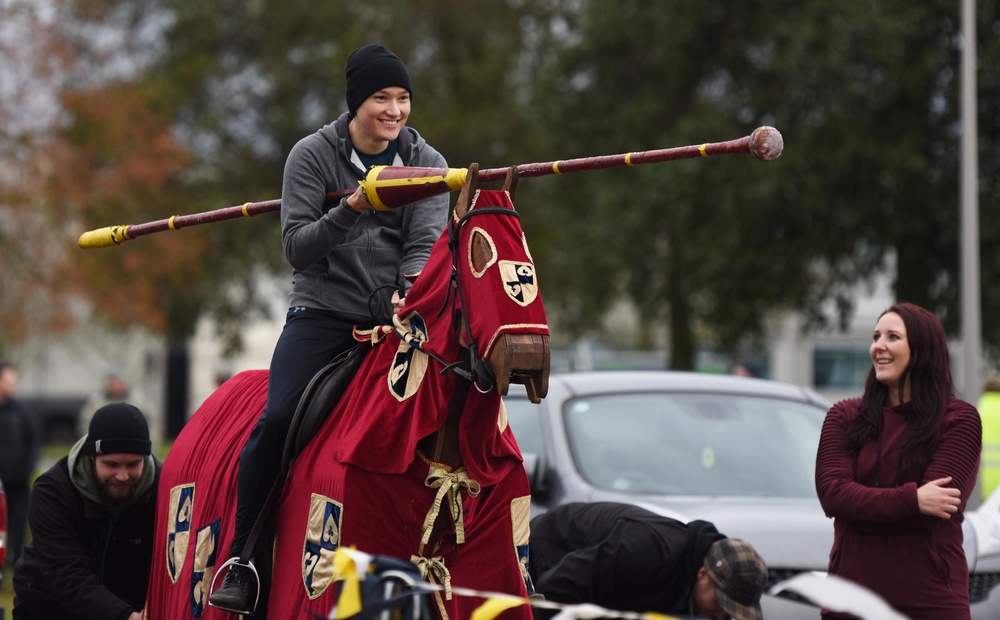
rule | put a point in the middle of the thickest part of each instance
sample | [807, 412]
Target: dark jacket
[878, 528]
[85, 562]
[18, 444]
[618, 556]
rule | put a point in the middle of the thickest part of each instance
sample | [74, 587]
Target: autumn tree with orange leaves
[80, 151]
[112, 157]
[59, 169]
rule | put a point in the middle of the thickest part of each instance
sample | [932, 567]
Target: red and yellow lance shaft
[391, 187]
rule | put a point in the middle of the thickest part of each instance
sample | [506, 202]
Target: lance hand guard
[391, 187]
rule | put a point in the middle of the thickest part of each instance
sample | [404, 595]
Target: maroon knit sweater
[881, 540]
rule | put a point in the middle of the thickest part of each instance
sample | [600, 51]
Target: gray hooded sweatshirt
[340, 258]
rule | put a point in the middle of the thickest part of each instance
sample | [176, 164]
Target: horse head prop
[495, 307]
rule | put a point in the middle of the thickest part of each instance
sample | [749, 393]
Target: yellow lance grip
[104, 237]
[389, 193]
[456, 178]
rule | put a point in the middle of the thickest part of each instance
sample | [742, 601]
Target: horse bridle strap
[480, 372]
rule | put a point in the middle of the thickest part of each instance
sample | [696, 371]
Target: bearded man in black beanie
[91, 517]
[349, 266]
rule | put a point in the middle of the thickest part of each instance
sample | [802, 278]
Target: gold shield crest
[179, 511]
[410, 363]
[321, 541]
[520, 515]
[519, 281]
[205, 547]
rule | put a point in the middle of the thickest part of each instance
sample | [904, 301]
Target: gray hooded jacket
[339, 257]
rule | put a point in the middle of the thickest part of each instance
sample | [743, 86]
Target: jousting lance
[391, 187]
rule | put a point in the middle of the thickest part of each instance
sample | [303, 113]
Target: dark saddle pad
[319, 399]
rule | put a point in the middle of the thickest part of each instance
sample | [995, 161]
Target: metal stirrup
[236, 562]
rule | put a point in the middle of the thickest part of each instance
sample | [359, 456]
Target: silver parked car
[734, 451]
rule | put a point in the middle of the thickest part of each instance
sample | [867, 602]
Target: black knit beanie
[118, 428]
[371, 68]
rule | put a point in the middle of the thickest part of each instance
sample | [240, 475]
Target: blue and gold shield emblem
[410, 363]
[205, 544]
[321, 541]
[519, 281]
[179, 511]
[520, 515]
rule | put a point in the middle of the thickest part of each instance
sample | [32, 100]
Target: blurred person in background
[91, 517]
[221, 376]
[745, 369]
[19, 448]
[895, 469]
[989, 411]
[115, 390]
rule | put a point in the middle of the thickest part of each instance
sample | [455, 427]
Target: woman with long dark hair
[895, 469]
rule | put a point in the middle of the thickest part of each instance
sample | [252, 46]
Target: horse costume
[415, 461]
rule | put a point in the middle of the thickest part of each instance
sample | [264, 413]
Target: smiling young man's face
[118, 476]
[890, 352]
[379, 119]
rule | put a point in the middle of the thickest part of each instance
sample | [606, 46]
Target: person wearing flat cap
[349, 269]
[91, 518]
[626, 558]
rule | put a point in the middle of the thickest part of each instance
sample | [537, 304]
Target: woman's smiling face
[890, 352]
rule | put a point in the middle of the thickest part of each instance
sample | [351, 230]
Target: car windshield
[695, 444]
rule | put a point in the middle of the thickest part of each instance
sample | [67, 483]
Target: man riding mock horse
[416, 461]
[341, 258]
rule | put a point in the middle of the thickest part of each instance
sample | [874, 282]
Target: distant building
[58, 373]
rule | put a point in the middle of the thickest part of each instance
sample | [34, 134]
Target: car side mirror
[534, 467]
